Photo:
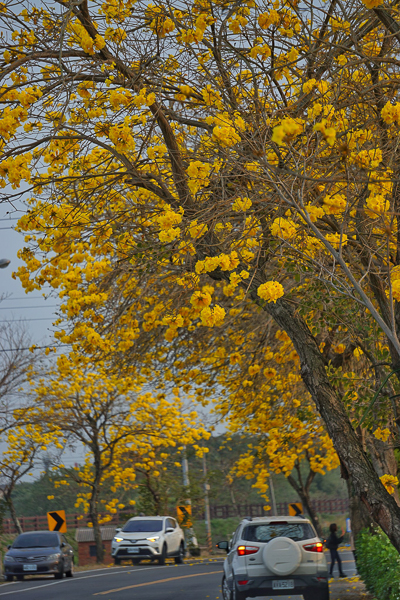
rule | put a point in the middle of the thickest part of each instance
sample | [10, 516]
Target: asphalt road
[195, 580]
[191, 581]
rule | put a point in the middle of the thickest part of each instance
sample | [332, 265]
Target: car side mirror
[223, 546]
[63, 544]
[118, 530]
[169, 530]
[9, 546]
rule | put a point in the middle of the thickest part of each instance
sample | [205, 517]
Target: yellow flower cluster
[241, 204]
[382, 434]
[212, 317]
[270, 291]
[198, 175]
[391, 113]
[389, 481]
[284, 228]
[328, 133]
[287, 131]
[377, 205]
[337, 240]
[372, 3]
[226, 262]
[335, 205]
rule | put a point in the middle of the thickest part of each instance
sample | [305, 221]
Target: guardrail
[223, 511]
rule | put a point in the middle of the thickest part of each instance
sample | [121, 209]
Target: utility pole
[192, 540]
[207, 516]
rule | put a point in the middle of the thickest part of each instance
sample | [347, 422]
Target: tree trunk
[11, 508]
[355, 464]
[383, 458]
[359, 515]
[93, 512]
[304, 495]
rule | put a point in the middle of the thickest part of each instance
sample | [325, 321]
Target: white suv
[275, 556]
[154, 538]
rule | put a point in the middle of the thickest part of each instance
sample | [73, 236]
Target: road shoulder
[350, 588]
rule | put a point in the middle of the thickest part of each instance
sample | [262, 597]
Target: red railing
[224, 511]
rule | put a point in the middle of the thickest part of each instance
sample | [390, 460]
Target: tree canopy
[178, 159]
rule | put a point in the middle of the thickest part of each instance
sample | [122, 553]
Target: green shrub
[378, 564]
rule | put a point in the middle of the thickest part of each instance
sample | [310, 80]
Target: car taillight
[245, 550]
[317, 547]
[243, 582]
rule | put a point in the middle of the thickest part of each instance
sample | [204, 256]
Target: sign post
[57, 521]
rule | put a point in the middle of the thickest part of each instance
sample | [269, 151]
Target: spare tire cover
[282, 556]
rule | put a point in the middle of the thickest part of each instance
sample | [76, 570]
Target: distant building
[86, 545]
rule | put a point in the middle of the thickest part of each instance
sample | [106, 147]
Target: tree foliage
[184, 158]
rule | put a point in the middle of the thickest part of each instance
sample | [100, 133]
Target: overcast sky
[36, 312]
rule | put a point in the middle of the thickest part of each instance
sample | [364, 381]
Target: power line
[35, 319]
[33, 347]
[24, 307]
[22, 298]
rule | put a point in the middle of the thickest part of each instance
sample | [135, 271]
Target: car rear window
[264, 532]
[147, 526]
[36, 540]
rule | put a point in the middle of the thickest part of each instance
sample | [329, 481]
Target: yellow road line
[130, 587]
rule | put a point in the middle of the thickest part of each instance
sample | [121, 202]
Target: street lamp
[4, 262]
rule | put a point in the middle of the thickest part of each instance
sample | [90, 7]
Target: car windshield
[267, 531]
[36, 540]
[147, 526]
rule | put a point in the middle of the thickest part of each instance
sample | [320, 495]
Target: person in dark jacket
[333, 543]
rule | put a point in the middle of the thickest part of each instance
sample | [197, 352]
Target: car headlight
[9, 558]
[153, 539]
[118, 539]
[53, 557]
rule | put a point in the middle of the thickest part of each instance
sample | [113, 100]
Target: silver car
[154, 538]
[275, 556]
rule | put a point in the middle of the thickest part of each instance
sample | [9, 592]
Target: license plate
[287, 584]
[133, 550]
[30, 567]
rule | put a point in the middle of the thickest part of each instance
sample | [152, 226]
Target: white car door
[171, 536]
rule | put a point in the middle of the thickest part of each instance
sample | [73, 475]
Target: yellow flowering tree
[107, 412]
[265, 158]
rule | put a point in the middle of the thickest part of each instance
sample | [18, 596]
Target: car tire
[70, 572]
[60, 574]
[117, 561]
[9, 577]
[20, 577]
[181, 555]
[226, 592]
[161, 560]
[135, 561]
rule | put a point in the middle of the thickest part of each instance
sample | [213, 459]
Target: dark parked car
[39, 553]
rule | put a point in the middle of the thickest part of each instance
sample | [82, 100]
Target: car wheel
[161, 560]
[20, 577]
[9, 578]
[226, 592]
[70, 572]
[181, 555]
[60, 574]
[135, 561]
[117, 561]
